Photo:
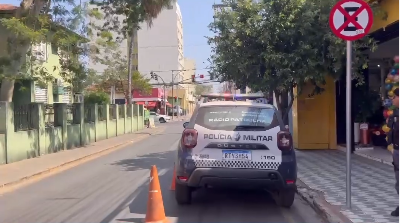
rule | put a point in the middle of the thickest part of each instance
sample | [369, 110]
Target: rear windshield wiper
[249, 127]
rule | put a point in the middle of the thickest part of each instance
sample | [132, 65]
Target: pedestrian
[393, 138]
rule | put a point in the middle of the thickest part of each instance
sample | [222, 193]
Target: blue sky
[196, 15]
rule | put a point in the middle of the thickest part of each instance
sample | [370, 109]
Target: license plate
[236, 155]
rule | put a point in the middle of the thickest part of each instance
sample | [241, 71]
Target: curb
[72, 163]
[320, 205]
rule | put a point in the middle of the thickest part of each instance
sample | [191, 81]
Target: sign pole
[348, 123]
[350, 20]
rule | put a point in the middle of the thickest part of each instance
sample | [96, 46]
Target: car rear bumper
[243, 178]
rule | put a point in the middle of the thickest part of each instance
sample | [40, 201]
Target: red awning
[168, 104]
[139, 102]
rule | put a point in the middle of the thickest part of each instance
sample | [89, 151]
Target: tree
[135, 12]
[97, 97]
[35, 22]
[277, 45]
[202, 89]
[116, 74]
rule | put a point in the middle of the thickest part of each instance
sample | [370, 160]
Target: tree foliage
[116, 74]
[63, 24]
[276, 45]
[34, 22]
[97, 97]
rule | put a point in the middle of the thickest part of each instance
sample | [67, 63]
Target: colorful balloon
[396, 66]
[393, 72]
[385, 128]
[396, 79]
[389, 113]
[388, 80]
[390, 77]
[396, 59]
[389, 87]
[390, 93]
[387, 102]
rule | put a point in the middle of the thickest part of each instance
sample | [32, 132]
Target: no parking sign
[351, 19]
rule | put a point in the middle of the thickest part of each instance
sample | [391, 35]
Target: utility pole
[173, 98]
[172, 87]
[130, 58]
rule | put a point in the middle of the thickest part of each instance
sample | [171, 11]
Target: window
[54, 49]
[170, 7]
[229, 118]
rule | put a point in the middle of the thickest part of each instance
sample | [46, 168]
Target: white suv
[236, 143]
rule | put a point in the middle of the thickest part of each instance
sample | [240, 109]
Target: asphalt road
[113, 188]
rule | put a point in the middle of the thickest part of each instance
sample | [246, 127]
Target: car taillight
[284, 140]
[189, 138]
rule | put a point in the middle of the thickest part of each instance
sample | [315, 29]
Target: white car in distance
[160, 118]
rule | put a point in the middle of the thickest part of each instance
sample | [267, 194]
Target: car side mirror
[185, 124]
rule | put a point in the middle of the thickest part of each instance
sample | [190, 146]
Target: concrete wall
[38, 140]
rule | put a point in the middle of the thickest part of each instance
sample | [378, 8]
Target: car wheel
[285, 197]
[162, 120]
[183, 194]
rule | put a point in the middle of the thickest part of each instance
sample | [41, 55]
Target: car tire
[285, 198]
[162, 120]
[183, 194]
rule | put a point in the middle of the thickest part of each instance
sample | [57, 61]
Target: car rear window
[231, 118]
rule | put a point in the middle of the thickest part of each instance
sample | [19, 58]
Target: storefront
[154, 101]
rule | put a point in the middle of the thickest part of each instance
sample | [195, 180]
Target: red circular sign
[351, 19]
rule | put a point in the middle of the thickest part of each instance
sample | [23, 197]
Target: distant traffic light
[201, 75]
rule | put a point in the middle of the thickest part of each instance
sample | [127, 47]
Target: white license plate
[236, 155]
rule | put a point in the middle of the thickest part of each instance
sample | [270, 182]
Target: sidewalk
[16, 172]
[373, 192]
[374, 153]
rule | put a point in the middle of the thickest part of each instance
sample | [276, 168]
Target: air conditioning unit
[78, 98]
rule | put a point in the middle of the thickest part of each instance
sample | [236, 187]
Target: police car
[236, 142]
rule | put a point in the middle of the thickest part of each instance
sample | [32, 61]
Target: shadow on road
[210, 205]
[161, 160]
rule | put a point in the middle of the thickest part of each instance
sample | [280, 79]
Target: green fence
[36, 129]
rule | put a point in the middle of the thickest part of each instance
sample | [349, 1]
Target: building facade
[160, 47]
[123, 43]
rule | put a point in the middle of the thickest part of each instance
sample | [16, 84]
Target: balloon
[389, 86]
[390, 77]
[394, 88]
[387, 102]
[385, 128]
[390, 147]
[396, 66]
[396, 79]
[393, 72]
[385, 114]
[388, 81]
[389, 113]
[392, 107]
[396, 59]
[390, 93]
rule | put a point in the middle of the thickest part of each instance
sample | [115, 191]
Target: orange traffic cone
[155, 206]
[173, 180]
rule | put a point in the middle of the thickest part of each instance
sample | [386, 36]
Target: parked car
[236, 144]
[160, 118]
